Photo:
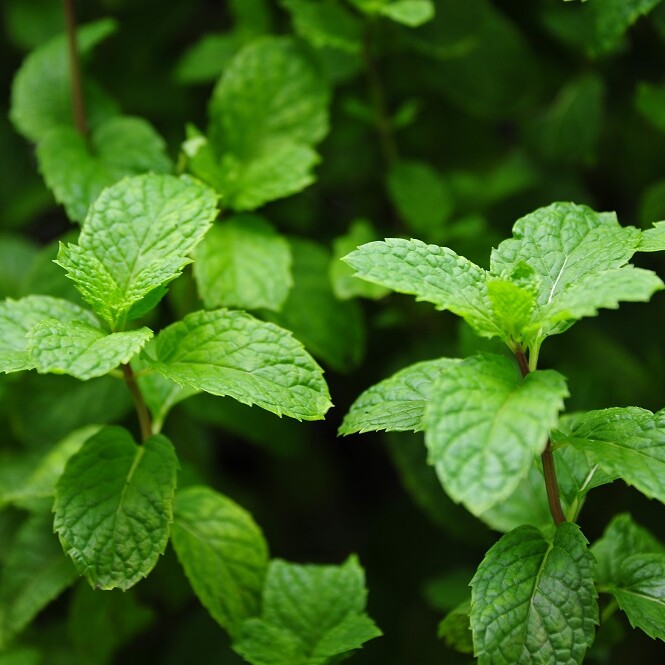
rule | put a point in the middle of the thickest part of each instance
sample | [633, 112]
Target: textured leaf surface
[640, 592]
[310, 613]
[431, 273]
[76, 173]
[114, 506]
[35, 572]
[18, 317]
[135, 239]
[80, 349]
[231, 353]
[625, 442]
[397, 403]
[243, 263]
[534, 600]
[223, 552]
[484, 423]
[653, 240]
[41, 92]
[336, 335]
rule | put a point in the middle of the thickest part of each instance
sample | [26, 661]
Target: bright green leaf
[653, 240]
[231, 353]
[431, 273]
[114, 506]
[81, 350]
[223, 552]
[408, 12]
[484, 424]
[35, 572]
[41, 92]
[534, 600]
[18, 317]
[513, 306]
[136, 238]
[397, 403]
[243, 263]
[77, 170]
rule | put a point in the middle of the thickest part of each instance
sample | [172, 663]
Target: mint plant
[492, 423]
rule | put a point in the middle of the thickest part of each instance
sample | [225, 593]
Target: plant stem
[384, 125]
[139, 403]
[549, 470]
[78, 104]
[608, 611]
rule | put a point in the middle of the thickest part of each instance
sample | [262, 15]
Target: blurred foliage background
[448, 132]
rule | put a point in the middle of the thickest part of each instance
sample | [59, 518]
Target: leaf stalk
[78, 104]
[142, 412]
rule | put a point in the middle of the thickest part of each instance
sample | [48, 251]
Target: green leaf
[309, 614]
[412, 13]
[621, 539]
[324, 24]
[41, 91]
[431, 273]
[18, 317]
[625, 442]
[223, 552]
[114, 506]
[16, 255]
[243, 263]
[136, 239]
[81, 350]
[484, 424]
[77, 170]
[231, 353]
[397, 403]
[534, 600]
[513, 306]
[455, 629]
[267, 111]
[336, 334]
[640, 592]
[345, 286]
[34, 573]
[650, 102]
[653, 240]
[422, 198]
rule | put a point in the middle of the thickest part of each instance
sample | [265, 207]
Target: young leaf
[231, 353]
[223, 552]
[136, 239]
[34, 573]
[114, 506]
[309, 614]
[534, 600]
[81, 350]
[77, 171]
[431, 273]
[41, 91]
[484, 423]
[18, 317]
[397, 403]
[243, 263]
[628, 443]
[455, 629]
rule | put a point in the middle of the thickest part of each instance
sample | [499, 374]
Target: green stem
[78, 104]
[549, 470]
[142, 412]
[608, 611]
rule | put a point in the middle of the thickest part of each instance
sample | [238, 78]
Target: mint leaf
[612, 18]
[243, 263]
[77, 170]
[628, 443]
[513, 306]
[336, 335]
[309, 614]
[81, 350]
[231, 353]
[621, 539]
[534, 600]
[41, 91]
[412, 13]
[18, 317]
[34, 573]
[431, 273]
[653, 240]
[118, 496]
[223, 552]
[397, 403]
[345, 286]
[455, 629]
[136, 239]
[16, 254]
[484, 424]
[267, 111]
[650, 101]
